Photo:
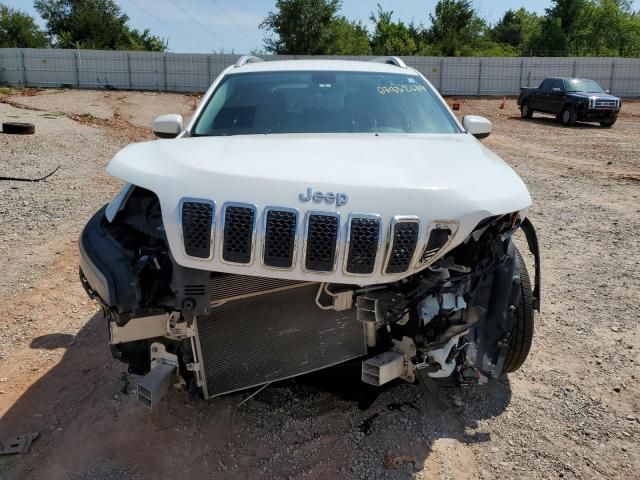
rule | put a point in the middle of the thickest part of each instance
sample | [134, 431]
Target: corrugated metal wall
[184, 72]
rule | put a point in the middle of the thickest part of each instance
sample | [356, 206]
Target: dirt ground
[572, 411]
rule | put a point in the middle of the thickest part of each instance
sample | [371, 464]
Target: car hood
[450, 177]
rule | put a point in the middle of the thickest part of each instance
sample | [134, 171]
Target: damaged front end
[467, 317]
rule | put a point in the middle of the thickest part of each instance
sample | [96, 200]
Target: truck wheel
[525, 110]
[522, 333]
[568, 116]
[609, 122]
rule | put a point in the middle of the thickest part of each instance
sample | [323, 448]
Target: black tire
[18, 128]
[523, 325]
[609, 122]
[526, 111]
[568, 116]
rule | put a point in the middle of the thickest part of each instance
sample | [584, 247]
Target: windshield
[587, 86]
[323, 102]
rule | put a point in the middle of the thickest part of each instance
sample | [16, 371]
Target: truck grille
[363, 240]
[237, 238]
[322, 241]
[604, 104]
[403, 245]
[279, 238]
[197, 224]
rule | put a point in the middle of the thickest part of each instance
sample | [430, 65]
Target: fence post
[209, 69]
[164, 69]
[129, 69]
[77, 57]
[479, 77]
[613, 69]
[574, 68]
[441, 75]
[521, 73]
[24, 69]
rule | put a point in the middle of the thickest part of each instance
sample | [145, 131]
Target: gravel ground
[572, 411]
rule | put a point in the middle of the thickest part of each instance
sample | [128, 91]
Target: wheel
[525, 110]
[609, 122]
[18, 128]
[568, 116]
[522, 333]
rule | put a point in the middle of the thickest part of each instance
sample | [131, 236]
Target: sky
[205, 26]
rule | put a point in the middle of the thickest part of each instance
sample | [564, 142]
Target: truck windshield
[587, 86]
[323, 102]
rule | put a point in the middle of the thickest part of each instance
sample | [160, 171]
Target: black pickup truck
[571, 100]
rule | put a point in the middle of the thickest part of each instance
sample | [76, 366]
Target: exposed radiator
[264, 338]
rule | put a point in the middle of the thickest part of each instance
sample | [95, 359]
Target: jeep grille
[403, 245]
[197, 224]
[363, 240]
[286, 241]
[322, 241]
[237, 237]
[279, 238]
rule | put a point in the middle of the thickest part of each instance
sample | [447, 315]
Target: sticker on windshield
[399, 89]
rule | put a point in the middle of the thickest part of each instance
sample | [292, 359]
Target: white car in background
[311, 213]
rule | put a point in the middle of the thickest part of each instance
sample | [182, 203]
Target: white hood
[450, 177]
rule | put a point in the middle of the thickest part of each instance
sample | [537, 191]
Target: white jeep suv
[313, 212]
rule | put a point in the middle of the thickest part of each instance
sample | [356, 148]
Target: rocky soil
[572, 411]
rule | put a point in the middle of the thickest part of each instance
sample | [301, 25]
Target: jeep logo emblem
[339, 199]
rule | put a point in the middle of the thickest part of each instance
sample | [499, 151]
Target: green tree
[347, 38]
[19, 30]
[97, 24]
[613, 29]
[393, 38]
[300, 27]
[455, 27]
[515, 27]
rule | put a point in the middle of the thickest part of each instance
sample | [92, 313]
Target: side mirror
[168, 126]
[607, 91]
[477, 126]
[557, 91]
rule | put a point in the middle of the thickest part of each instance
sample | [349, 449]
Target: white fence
[184, 72]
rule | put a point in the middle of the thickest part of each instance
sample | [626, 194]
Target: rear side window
[545, 86]
[323, 102]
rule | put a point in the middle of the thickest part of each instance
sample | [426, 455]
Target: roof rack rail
[243, 60]
[390, 60]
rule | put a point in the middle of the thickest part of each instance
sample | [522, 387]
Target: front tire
[525, 110]
[568, 116]
[523, 324]
[609, 122]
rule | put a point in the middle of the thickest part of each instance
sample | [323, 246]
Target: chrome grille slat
[322, 234]
[363, 242]
[238, 229]
[280, 231]
[404, 240]
[197, 221]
